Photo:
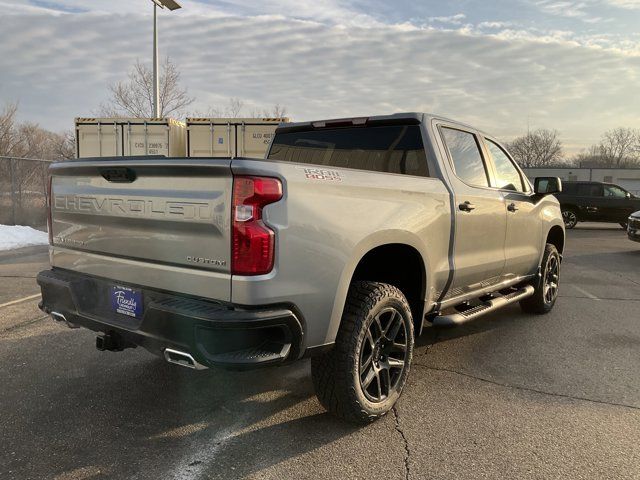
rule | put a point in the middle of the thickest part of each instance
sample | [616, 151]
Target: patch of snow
[18, 236]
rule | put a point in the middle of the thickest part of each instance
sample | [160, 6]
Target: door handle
[512, 207]
[466, 206]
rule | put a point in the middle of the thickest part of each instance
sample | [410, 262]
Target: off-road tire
[537, 302]
[336, 374]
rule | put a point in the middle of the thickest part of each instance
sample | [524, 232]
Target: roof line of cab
[404, 118]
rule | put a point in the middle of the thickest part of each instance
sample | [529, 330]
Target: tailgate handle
[118, 175]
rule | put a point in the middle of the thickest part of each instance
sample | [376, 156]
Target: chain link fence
[23, 191]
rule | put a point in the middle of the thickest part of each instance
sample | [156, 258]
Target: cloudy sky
[564, 64]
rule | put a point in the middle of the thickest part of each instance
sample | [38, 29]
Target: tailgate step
[459, 318]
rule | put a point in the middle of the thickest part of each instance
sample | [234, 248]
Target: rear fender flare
[375, 240]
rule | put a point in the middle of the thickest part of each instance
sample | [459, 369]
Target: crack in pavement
[527, 389]
[396, 417]
[407, 451]
[23, 324]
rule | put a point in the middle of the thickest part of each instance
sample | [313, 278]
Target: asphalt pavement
[508, 396]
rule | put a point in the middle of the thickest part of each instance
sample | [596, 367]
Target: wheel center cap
[378, 351]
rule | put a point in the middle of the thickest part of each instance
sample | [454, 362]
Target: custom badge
[321, 174]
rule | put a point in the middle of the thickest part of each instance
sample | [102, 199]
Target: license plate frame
[126, 301]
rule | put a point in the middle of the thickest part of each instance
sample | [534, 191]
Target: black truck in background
[596, 202]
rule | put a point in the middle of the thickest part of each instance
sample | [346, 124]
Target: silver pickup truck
[343, 244]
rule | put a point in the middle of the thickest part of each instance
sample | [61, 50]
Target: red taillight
[49, 203]
[253, 243]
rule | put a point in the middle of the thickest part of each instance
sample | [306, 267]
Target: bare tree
[25, 180]
[64, 145]
[9, 137]
[591, 157]
[134, 97]
[234, 108]
[539, 148]
[620, 146]
[210, 112]
[277, 111]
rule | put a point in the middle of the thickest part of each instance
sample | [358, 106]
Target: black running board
[460, 318]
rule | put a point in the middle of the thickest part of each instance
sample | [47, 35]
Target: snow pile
[18, 236]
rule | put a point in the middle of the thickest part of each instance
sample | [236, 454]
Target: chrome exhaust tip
[58, 317]
[182, 358]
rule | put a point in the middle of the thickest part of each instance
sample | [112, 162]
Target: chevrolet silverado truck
[343, 244]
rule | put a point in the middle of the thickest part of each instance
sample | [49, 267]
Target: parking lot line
[584, 292]
[20, 300]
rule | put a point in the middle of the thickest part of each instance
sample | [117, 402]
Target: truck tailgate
[162, 223]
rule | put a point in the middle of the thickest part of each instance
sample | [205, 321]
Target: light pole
[171, 5]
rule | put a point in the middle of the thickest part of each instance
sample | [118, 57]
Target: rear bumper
[214, 334]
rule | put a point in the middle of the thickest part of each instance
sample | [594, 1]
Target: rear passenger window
[590, 190]
[507, 176]
[466, 157]
[392, 149]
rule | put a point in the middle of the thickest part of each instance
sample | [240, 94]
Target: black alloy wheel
[383, 355]
[551, 275]
[362, 377]
[570, 218]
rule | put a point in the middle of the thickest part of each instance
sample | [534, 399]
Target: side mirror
[628, 195]
[547, 185]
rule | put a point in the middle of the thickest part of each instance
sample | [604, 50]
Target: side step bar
[460, 318]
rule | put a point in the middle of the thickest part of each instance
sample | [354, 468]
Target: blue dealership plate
[126, 301]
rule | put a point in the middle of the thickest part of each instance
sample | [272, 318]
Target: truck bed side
[325, 227]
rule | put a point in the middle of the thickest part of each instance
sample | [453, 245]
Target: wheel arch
[400, 265]
[374, 262]
[556, 237]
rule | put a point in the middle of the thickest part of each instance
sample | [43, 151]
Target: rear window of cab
[390, 149]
